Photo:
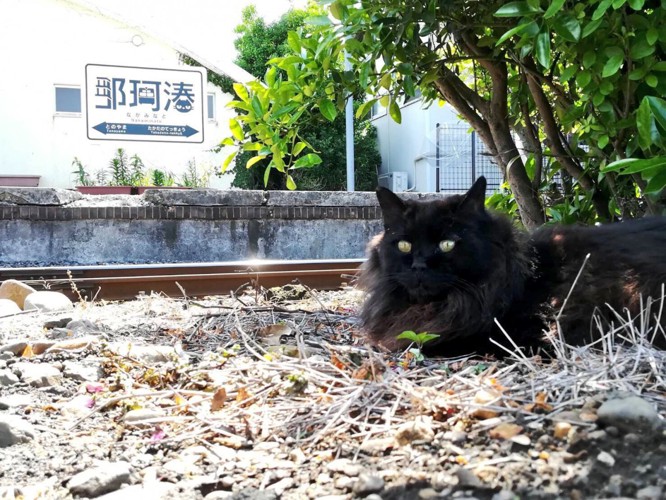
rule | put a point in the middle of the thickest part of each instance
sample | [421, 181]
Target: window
[211, 107]
[67, 99]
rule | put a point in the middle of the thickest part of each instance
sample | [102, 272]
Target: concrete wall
[38, 141]
[40, 227]
[410, 146]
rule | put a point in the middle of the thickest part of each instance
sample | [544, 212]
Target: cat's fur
[497, 272]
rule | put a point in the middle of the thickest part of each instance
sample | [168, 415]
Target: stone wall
[41, 226]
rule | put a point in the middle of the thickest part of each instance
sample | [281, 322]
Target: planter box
[143, 189]
[20, 180]
[107, 189]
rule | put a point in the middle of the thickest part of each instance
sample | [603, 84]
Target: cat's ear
[393, 208]
[475, 198]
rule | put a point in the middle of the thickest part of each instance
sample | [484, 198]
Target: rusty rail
[120, 282]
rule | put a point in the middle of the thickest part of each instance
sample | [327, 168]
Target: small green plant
[136, 171]
[420, 339]
[192, 178]
[82, 176]
[120, 170]
[160, 178]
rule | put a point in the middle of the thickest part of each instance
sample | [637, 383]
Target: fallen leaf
[242, 394]
[505, 430]
[219, 398]
[27, 352]
[561, 430]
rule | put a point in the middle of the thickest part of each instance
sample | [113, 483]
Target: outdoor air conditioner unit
[395, 181]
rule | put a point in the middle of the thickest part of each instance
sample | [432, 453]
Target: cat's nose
[418, 265]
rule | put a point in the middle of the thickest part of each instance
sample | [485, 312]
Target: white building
[46, 47]
[431, 150]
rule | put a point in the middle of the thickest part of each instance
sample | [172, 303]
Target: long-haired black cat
[450, 267]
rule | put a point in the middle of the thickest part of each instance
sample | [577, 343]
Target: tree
[257, 44]
[550, 87]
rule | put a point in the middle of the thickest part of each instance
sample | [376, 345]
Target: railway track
[126, 281]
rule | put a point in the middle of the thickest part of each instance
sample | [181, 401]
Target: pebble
[47, 301]
[16, 291]
[82, 372]
[344, 466]
[98, 480]
[137, 417]
[15, 430]
[419, 429]
[15, 401]
[467, 479]
[628, 414]
[8, 307]
[606, 458]
[367, 484]
[254, 494]
[15, 348]
[649, 493]
[8, 378]
[38, 374]
[455, 437]
[154, 490]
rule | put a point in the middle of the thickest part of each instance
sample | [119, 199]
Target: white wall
[49, 42]
[411, 145]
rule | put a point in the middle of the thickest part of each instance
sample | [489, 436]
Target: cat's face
[430, 248]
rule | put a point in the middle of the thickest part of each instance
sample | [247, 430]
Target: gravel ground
[261, 397]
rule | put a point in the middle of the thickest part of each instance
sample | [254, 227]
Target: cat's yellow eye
[446, 245]
[404, 246]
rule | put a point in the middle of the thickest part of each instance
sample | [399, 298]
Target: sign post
[126, 103]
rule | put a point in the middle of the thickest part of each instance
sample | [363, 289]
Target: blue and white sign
[126, 103]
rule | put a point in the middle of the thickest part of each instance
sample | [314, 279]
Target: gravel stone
[38, 374]
[98, 480]
[628, 414]
[15, 430]
[367, 484]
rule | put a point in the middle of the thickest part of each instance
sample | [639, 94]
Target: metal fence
[462, 158]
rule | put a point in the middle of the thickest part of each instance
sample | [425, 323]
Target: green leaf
[640, 49]
[294, 42]
[656, 184]
[298, 148]
[236, 129]
[652, 80]
[513, 31]
[328, 109]
[612, 66]
[658, 107]
[636, 4]
[635, 165]
[589, 58]
[309, 160]
[602, 142]
[394, 111]
[241, 92]
[591, 27]
[364, 108]
[647, 131]
[515, 9]
[554, 7]
[337, 10]
[583, 78]
[291, 185]
[568, 27]
[652, 36]
[227, 141]
[601, 9]
[253, 160]
[227, 161]
[267, 174]
[568, 73]
[317, 21]
[542, 48]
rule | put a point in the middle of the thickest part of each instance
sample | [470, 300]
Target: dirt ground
[268, 395]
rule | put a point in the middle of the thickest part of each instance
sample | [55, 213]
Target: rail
[126, 281]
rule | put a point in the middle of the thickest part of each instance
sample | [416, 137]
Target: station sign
[126, 103]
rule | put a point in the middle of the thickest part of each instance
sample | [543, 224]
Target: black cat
[451, 267]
